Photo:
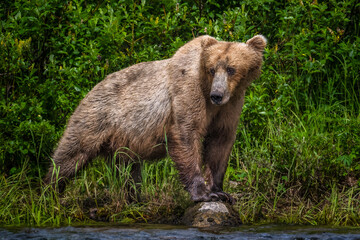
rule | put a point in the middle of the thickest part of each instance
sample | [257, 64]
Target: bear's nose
[216, 97]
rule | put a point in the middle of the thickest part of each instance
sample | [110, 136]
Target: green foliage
[100, 193]
[299, 134]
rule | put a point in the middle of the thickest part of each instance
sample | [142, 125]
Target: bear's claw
[225, 197]
[214, 197]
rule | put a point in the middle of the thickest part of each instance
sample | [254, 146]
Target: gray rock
[208, 214]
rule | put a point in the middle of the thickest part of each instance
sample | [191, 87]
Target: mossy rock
[208, 214]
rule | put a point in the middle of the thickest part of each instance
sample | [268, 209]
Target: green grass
[104, 186]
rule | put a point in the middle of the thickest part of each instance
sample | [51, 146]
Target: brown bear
[188, 105]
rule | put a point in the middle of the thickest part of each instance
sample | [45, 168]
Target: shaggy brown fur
[194, 98]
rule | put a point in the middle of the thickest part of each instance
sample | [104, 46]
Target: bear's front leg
[185, 150]
[217, 148]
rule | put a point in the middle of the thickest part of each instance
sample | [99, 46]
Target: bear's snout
[216, 97]
[219, 93]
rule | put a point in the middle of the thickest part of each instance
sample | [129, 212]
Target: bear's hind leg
[67, 160]
[135, 188]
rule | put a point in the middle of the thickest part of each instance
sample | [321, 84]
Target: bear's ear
[258, 43]
[207, 41]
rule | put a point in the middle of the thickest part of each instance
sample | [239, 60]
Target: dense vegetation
[297, 154]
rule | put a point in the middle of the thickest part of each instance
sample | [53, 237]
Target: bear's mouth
[216, 97]
[219, 98]
[219, 94]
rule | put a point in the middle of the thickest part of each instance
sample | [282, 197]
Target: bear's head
[230, 67]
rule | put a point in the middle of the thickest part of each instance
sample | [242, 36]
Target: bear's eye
[230, 71]
[212, 71]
